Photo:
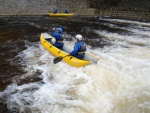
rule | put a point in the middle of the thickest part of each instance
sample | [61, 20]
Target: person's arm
[52, 32]
[76, 48]
[56, 35]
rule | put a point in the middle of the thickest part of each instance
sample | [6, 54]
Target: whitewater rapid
[118, 83]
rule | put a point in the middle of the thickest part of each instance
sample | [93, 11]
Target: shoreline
[126, 17]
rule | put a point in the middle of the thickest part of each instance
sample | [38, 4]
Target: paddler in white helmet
[79, 48]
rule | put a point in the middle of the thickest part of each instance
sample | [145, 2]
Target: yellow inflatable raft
[61, 14]
[46, 42]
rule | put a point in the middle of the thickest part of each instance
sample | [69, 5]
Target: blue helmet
[59, 30]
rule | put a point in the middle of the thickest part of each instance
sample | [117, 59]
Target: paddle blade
[58, 59]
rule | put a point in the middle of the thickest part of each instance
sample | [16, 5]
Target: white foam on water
[129, 21]
[138, 37]
[118, 83]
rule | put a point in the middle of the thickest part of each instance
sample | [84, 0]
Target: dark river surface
[117, 42]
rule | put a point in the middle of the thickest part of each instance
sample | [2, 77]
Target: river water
[118, 83]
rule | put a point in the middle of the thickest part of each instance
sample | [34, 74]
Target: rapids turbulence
[118, 83]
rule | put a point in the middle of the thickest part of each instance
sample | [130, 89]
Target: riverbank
[134, 16]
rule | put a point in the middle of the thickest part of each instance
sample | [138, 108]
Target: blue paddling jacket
[66, 11]
[79, 50]
[58, 38]
[55, 11]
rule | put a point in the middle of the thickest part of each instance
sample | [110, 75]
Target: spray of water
[118, 83]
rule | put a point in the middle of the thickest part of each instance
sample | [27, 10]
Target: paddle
[58, 59]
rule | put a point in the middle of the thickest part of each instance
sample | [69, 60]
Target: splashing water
[118, 83]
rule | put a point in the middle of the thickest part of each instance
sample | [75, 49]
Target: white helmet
[79, 37]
